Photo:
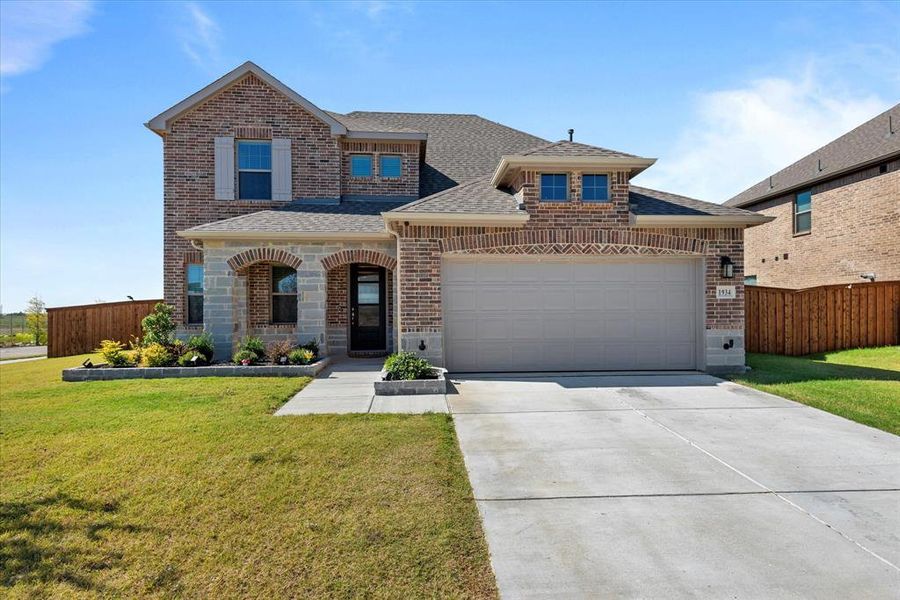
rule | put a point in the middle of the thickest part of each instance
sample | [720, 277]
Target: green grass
[862, 385]
[190, 488]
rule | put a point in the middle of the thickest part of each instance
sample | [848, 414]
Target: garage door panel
[570, 313]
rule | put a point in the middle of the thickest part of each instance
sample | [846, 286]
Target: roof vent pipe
[571, 134]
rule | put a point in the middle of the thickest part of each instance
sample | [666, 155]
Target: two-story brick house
[836, 212]
[477, 245]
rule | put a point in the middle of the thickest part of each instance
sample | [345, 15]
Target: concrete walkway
[22, 352]
[346, 386]
[676, 486]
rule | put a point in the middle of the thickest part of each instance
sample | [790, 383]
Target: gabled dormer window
[803, 212]
[254, 170]
[595, 188]
[554, 187]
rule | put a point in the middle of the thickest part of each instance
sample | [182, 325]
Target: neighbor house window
[360, 165]
[254, 170]
[803, 212]
[554, 186]
[595, 188]
[284, 295]
[390, 167]
[195, 294]
[750, 280]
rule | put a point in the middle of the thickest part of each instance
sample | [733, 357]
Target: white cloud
[738, 137]
[29, 30]
[200, 37]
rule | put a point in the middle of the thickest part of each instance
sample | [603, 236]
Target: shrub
[278, 350]
[203, 344]
[114, 354]
[156, 355]
[192, 358]
[158, 326]
[313, 346]
[301, 356]
[133, 356]
[178, 347]
[247, 357]
[406, 365]
[254, 345]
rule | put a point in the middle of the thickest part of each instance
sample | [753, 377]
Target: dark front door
[367, 308]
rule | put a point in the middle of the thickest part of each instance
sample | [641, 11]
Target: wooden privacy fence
[819, 319]
[79, 329]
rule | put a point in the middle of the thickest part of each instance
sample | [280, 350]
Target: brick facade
[421, 249]
[855, 229]
[574, 212]
[250, 109]
[377, 185]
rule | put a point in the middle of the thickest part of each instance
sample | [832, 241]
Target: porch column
[311, 292]
[219, 318]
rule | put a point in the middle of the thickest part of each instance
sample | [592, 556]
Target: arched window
[284, 294]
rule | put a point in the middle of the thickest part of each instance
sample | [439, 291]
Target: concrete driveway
[677, 486]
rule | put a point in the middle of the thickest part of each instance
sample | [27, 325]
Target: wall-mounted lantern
[727, 267]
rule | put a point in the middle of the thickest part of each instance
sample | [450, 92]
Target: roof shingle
[866, 144]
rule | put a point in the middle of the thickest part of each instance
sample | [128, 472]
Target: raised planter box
[109, 373]
[437, 385]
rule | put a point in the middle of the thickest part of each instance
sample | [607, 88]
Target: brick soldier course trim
[372, 257]
[246, 258]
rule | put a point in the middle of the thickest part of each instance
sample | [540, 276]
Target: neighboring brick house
[836, 212]
[469, 242]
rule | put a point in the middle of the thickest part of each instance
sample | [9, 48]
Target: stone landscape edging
[223, 370]
[412, 386]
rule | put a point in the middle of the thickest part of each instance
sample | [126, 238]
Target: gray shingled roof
[360, 123]
[476, 196]
[460, 148]
[645, 201]
[567, 148]
[866, 144]
[350, 216]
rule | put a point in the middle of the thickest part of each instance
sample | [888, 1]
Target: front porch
[340, 295]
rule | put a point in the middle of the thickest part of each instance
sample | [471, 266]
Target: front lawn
[862, 385]
[190, 488]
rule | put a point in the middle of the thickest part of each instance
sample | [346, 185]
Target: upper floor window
[360, 165]
[284, 295]
[555, 186]
[803, 212]
[595, 188]
[194, 294]
[391, 166]
[254, 170]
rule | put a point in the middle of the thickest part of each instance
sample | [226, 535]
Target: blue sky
[723, 94]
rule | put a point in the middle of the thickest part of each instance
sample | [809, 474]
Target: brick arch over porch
[346, 257]
[244, 259]
[573, 241]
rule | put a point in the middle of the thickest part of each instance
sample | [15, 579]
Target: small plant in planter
[115, 355]
[279, 352]
[313, 346]
[255, 345]
[245, 357]
[156, 355]
[203, 345]
[407, 366]
[301, 356]
[192, 358]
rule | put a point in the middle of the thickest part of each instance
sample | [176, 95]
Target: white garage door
[505, 313]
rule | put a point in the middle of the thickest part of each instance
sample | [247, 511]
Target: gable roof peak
[160, 123]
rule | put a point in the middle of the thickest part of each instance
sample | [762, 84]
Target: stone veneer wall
[422, 247]
[855, 229]
[226, 292]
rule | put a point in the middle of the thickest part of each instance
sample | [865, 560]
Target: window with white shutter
[224, 164]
